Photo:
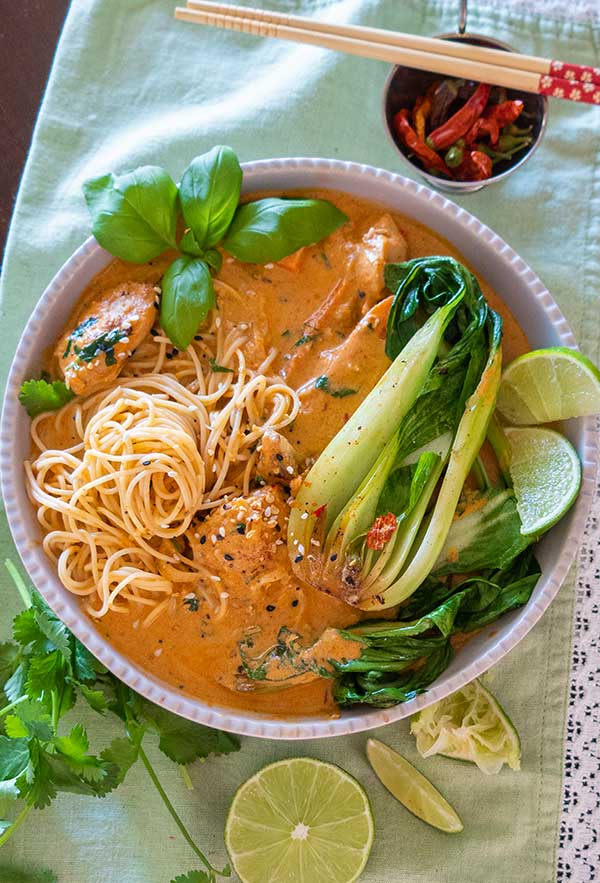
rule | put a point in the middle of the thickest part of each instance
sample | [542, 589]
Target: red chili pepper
[495, 118]
[476, 166]
[319, 510]
[382, 531]
[459, 123]
[409, 137]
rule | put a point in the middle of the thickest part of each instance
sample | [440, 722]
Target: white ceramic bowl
[522, 292]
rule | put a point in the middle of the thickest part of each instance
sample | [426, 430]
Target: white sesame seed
[314, 542]
[268, 512]
[189, 596]
[218, 322]
[215, 578]
[158, 651]
[300, 549]
[214, 467]
[269, 266]
[157, 289]
[221, 531]
[304, 516]
[289, 470]
[279, 542]
[134, 318]
[210, 452]
[136, 624]
[171, 473]
[224, 595]
[196, 536]
[243, 326]
[213, 538]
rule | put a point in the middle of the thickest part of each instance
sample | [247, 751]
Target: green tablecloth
[130, 85]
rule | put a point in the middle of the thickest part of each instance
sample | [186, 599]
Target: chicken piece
[382, 244]
[107, 330]
[276, 459]
[342, 378]
[249, 549]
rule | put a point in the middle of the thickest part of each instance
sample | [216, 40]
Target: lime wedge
[411, 788]
[469, 725]
[302, 821]
[547, 385]
[546, 475]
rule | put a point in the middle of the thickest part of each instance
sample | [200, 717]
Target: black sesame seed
[156, 304]
[279, 457]
[145, 462]
[202, 539]
[201, 517]
[333, 557]
[219, 537]
[270, 608]
[295, 602]
[278, 528]
[169, 355]
[228, 557]
[154, 332]
[175, 351]
[298, 559]
[197, 337]
[241, 528]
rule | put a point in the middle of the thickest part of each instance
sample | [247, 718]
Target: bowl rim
[245, 722]
[460, 187]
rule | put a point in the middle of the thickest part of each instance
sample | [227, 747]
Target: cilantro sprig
[44, 671]
[38, 396]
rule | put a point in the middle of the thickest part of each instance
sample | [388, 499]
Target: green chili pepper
[454, 155]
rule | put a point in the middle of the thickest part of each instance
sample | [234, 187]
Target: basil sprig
[135, 217]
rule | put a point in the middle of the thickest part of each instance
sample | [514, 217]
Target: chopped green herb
[192, 604]
[322, 383]
[285, 333]
[325, 260]
[77, 333]
[306, 338]
[219, 369]
[104, 343]
[38, 396]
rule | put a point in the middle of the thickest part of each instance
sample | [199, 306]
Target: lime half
[469, 725]
[547, 385]
[299, 821]
[411, 788]
[546, 475]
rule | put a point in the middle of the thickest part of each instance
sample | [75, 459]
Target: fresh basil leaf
[187, 297]
[214, 259]
[209, 192]
[134, 215]
[270, 229]
[188, 244]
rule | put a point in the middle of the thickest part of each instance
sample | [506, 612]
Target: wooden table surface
[29, 32]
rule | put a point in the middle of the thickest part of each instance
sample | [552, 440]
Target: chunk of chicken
[382, 244]
[107, 330]
[249, 548]
[276, 459]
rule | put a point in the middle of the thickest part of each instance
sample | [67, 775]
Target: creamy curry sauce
[316, 314]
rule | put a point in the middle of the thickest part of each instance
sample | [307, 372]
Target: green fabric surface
[130, 85]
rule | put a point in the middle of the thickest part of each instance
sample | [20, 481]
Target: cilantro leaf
[38, 396]
[184, 741]
[123, 753]
[15, 685]
[10, 656]
[94, 698]
[85, 665]
[219, 369]
[45, 674]
[192, 877]
[17, 875]
[29, 720]
[14, 757]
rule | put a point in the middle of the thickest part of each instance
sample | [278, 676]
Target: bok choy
[372, 517]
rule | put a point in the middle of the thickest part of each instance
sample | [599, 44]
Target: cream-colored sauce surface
[317, 315]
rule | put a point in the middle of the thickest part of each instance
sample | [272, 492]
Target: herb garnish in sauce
[219, 369]
[76, 333]
[104, 343]
[341, 392]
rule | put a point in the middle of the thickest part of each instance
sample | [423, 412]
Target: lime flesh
[546, 475]
[547, 385]
[469, 725]
[411, 788]
[299, 821]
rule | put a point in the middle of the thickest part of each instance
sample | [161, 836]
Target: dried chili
[461, 122]
[428, 157]
[382, 531]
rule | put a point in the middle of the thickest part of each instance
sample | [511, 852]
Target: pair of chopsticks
[512, 70]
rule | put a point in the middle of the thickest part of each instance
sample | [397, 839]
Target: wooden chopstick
[267, 24]
[456, 49]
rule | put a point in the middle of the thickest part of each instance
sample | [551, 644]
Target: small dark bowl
[405, 84]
